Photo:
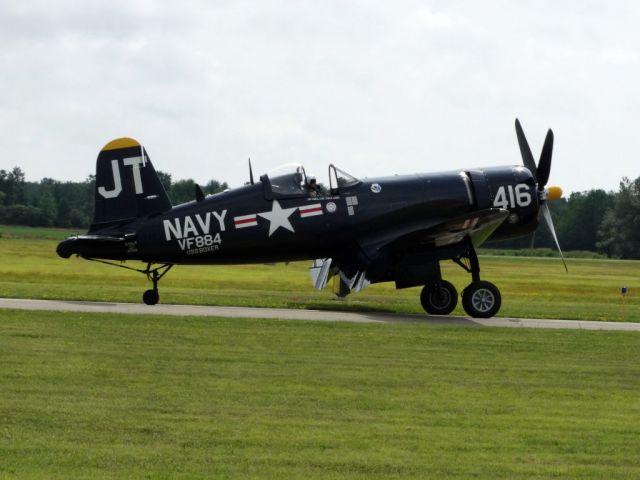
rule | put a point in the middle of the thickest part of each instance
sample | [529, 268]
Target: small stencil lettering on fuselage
[351, 202]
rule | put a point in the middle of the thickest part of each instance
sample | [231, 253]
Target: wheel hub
[483, 300]
[440, 298]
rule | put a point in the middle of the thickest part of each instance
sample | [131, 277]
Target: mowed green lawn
[101, 396]
[531, 287]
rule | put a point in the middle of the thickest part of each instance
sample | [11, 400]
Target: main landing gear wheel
[481, 299]
[150, 297]
[440, 298]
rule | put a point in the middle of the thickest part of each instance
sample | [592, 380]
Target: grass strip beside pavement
[103, 396]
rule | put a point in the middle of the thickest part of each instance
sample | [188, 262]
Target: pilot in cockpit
[312, 187]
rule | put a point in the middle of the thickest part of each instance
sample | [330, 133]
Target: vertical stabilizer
[127, 185]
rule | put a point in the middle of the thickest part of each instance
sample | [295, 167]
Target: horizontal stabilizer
[96, 246]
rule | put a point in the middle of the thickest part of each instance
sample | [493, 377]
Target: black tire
[150, 297]
[481, 299]
[439, 299]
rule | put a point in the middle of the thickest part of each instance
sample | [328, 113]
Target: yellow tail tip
[124, 142]
[554, 193]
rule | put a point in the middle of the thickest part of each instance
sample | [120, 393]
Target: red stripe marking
[310, 210]
[247, 220]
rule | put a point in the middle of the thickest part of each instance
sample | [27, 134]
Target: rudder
[127, 186]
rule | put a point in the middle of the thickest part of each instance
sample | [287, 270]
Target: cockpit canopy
[290, 180]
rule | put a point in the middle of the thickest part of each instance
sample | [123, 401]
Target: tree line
[52, 203]
[595, 220]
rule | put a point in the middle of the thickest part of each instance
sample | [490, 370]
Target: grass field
[531, 287]
[98, 396]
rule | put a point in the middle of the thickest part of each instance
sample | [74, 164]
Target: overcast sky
[375, 87]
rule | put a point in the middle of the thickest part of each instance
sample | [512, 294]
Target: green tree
[12, 185]
[579, 221]
[165, 179]
[21, 215]
[182, 191]
[46, 203]
[214, 186]
[619, 234]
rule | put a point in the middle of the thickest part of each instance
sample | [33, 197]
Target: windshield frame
[343, 181]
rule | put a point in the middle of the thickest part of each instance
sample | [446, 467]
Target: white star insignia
[278, 217]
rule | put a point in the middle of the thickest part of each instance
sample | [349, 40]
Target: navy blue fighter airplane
[360, 231]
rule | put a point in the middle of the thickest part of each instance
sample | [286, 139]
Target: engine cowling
[512, 189]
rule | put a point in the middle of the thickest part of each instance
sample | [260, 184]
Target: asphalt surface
[315, 315]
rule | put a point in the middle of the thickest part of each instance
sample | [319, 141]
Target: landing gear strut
[480, 299]
[151, 296]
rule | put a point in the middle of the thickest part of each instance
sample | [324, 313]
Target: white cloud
[425, 17]
[620, 56]
[377, 88]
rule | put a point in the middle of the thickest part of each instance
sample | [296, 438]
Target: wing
[477, 225]
[375, 254]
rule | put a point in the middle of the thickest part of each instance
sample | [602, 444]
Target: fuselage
[257, 223]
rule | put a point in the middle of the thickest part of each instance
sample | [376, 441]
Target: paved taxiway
[318, 315]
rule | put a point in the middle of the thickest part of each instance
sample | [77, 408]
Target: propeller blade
[525, 151]
[544, 165]
[547, 216]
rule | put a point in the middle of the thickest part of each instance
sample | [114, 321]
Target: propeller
[547, 216]
[541, 173]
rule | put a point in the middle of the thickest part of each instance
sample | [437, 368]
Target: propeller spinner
[541, 173]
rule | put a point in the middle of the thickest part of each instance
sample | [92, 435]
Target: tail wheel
[151, 297]
[481, 299]
[440, 298]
